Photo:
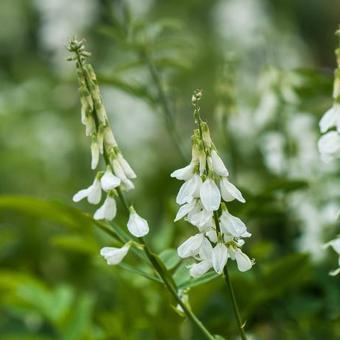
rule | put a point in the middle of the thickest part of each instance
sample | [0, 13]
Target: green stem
[164, 103]
[173, 290]
[234, 302]
[169, 283]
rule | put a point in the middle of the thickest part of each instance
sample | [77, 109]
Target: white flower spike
[221, 235]
[137, 225]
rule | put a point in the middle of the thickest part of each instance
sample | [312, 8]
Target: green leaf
[169, 258]
[75, 243]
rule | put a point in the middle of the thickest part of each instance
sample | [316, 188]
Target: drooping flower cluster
[202, 199]
[329, 143]
[335, 244]
[118, 174]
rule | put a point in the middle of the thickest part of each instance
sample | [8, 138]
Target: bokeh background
[266, 69]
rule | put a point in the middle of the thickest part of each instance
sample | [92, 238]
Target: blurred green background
[266, 69]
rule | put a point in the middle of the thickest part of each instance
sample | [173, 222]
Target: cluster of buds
[202, 199]
[117, 174]
[329, 143]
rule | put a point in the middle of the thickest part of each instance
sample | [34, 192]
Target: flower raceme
[202, 199]
[118, 174]
[329, 142]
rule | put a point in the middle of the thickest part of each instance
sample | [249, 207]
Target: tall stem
[169, 115]
[171, 286]
[234, 302]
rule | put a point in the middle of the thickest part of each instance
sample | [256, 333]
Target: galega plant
[115, 180]
[202, 199]
[329, 142]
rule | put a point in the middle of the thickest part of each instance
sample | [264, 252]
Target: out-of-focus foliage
[266, 70]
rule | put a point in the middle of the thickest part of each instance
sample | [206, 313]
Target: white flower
[229, 192]
[186, 209]
[210, 195]
[127, 184]
[201, 218]
[329, 145]
[188, 190]
[335, 244]
[185, 173]
[232, 225]
[118, 170]
[94, 154]
[191, 246]
[205, 254]
[126, 167]
[218, 165]
[219, 257]
[137, 225]
[107, 211]
[200, 268]
[93, 193]
[202, 162]
[331, 118]
[109, 181]
[243, 261]
[114, 255]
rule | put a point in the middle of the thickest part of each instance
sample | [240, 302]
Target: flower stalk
[203, 198]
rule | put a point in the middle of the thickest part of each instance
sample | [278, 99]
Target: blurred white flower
[335, 244]
[191, 246]
[114, 255]
[219, 257]
[210, 195]
[93, 193]
[329, 146]
[109, 181]
[331, 119]
[137, 225]
[107, 211]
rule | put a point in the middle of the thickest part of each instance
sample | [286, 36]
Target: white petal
[191, 246]
[137, 225]
[185, 209]
[114, 255]
[229, 192]
[95, 192]
[219, 257]
[232, 224]
[328, 120]
[127, 184]
[243, 261]
[202, 162]
[205, 252]
[212, 235]
[107, 211]
[94, 155]
[118, 170]
[81, 194]
[329, 144]
[185, 173]
[210, 195]
[188, 189]
[218, 165]
[126, 167]
[198, 269]
[335, 244]
[109, 181]
[200, 218]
